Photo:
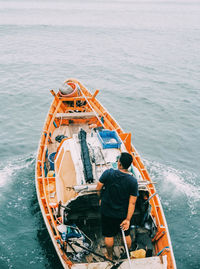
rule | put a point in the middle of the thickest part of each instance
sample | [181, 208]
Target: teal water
[144, 58]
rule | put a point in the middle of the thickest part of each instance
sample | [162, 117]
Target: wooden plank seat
[76, 115]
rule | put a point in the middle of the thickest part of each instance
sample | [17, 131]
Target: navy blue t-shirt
[118, 187]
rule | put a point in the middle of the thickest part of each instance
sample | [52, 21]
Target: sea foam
[10, 168]
[176, 183]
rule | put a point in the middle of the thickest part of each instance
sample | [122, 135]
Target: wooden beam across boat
[76, 115]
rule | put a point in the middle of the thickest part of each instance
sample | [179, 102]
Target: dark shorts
[111, 226]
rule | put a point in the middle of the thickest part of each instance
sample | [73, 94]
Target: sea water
[144, 57]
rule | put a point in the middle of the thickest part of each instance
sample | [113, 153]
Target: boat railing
[44, 198]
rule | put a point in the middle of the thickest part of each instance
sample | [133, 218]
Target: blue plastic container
[109, 139]
[51, 160]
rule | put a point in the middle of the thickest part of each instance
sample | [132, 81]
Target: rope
[91, 107]
[160, 252]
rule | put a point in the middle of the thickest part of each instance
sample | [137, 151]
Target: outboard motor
[141, 210]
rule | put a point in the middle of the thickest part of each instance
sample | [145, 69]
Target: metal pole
[126, 248]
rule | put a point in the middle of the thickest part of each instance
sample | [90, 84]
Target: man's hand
[125, 224]
[99, 187]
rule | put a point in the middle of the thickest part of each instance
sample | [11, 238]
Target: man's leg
[128, 241]
[109, 242]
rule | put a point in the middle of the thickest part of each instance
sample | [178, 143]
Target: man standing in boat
[119, 191]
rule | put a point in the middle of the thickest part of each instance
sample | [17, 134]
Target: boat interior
[76, 175]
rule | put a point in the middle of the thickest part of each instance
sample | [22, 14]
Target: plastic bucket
[51, 158]
[73, 93]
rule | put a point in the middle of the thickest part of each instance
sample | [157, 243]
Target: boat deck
[89, 223]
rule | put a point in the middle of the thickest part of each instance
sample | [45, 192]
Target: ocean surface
[143, 55]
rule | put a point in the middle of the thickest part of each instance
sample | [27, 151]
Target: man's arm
[131, 208]
[98, 188]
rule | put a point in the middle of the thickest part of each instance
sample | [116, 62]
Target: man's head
[125, 160]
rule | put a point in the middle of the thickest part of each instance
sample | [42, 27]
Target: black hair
[125, 160]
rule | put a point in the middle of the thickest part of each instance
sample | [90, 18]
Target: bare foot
[108, 257]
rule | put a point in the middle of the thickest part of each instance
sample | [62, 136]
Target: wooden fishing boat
[80, 140]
